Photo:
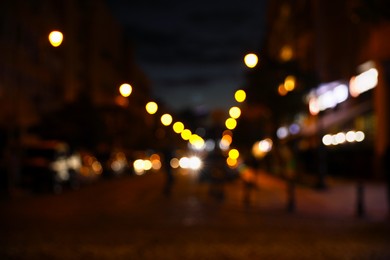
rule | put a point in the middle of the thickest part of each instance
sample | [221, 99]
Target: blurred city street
[194, 130]
[130, 218]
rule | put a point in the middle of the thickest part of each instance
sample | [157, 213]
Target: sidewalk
[338, 200]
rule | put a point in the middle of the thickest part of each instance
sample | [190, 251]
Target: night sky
[193, 51]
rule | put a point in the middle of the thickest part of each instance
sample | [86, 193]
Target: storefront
[339, 131]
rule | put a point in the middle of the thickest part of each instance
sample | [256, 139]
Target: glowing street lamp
[282, 90]
[232, 163]
[151, 107]
[230, 123]
[251, 60]
[196, 141]
[56, 38]
[125, 90]
[289, 83]
[240, 95]
[186, 134]
[166, 119]
[235, 112]
[234, 154]
[261, 148]
[178, 127]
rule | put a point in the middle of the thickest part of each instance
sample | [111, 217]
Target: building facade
[36, 78]
[324, 45]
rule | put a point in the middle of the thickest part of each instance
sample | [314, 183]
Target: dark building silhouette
[94, 58]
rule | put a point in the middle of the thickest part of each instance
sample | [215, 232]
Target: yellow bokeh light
[174, 163]
[151, 107]
[235, 112]
[282, 90]
[196, 141]
[186, 134]
[138, 166]
[286, 53]
[234, 154]
[230, 123]
[227, 132]
[194, 138]
[56, 38]
[227, 138]
[125, 90]
[224, 145]
[289, 83]
[154, 156]
[231, 162]
[251, 60]
[178, 127]
[147, 165]
[156, 165]
[240, 95]
[166, 119]
[156, 161]
[261, 148]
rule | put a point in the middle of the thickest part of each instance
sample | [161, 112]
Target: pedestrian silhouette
[217, 174]
[168, 153]
[248, 176]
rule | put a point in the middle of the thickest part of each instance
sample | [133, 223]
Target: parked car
[49, 166]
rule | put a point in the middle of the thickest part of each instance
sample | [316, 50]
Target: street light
[230, 123]
[56, 38]
[251, 60]
[240, 95]
[186, 134]
[234, 154]
[235, 112]
[289, 83]
[151, 107]
[178, 127]
[196, 141]
[166, 119]
[125, 90]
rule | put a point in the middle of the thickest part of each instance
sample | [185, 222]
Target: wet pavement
[130, 218]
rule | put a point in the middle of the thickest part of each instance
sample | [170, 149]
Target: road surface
[130, 218]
